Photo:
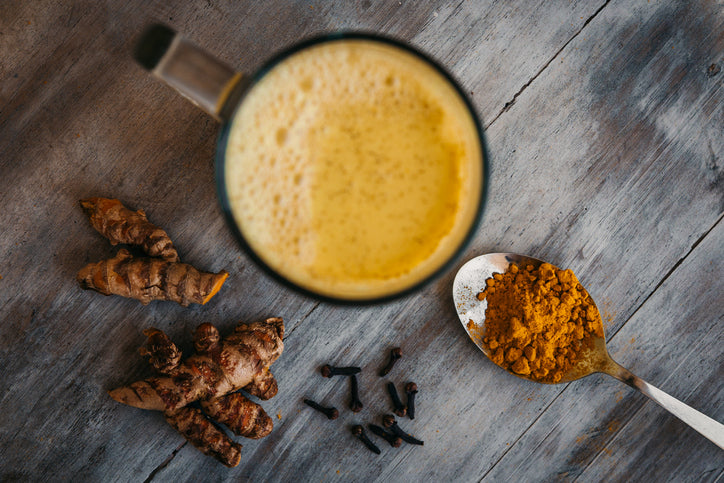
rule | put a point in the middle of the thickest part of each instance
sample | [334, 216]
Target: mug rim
[220, 165]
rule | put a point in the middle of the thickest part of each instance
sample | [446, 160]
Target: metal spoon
[470, 281]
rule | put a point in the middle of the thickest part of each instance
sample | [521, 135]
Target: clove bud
[395, 354]
[359, 431]
[331, 413]
[388, 421]
[411, 390]
[355, 404]
[395, 441]
[329, 371]
[400, 409]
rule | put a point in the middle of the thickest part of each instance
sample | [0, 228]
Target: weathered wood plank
[490, 410]
[79, 118]
[602, 152]
[673, 341]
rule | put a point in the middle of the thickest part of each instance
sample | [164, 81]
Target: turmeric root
[204, 434]
[210, 376]
[206, 341]
[121, 225]
[143, 279]
[242, 416]
[147, 279]
[243, 356]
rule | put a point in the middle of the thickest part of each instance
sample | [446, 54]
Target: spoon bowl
[470, 281]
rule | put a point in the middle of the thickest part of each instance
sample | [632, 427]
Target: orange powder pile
[538, 321]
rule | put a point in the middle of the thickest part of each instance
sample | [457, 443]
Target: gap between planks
[672, 270]
[164, 463]
[296, 326]
[510, 103]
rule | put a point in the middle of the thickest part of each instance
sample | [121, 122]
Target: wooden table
[605, 125]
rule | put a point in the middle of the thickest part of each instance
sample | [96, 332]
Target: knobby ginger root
[538, 321]
[219, 367]
[147, 279]
[121, 225]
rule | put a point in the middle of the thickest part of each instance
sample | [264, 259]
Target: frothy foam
[353, 169]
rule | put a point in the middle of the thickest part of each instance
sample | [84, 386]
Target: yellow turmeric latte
[538, 321]
[354, 169]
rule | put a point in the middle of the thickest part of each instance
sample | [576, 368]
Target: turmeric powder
[538, 321]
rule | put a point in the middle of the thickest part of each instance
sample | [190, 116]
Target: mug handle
[194, 73]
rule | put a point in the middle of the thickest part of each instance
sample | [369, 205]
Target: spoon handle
[702, 423]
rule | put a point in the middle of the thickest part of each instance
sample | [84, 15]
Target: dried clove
[388, 421]
[411, 390]
[395, 441]
[331, 413]
[329, 371]
[400, 409]
[359, 431]
[395, 354]
[355, 404]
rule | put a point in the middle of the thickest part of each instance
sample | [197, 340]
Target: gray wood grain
[605, 134]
